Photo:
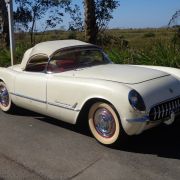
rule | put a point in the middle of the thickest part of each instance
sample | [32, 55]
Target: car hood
[128, 74]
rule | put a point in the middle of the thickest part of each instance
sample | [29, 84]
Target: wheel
[6, 104]
[104, 124]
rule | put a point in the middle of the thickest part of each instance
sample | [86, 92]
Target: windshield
[78, 58]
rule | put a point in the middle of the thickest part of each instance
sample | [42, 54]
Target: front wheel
[6, 104]
[105, 124]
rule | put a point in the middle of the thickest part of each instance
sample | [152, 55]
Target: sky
[139, 13]
[142, 13]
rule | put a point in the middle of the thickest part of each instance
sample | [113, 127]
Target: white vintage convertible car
[67, 78]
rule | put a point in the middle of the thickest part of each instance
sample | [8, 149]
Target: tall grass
[5, 56]
[161, 54]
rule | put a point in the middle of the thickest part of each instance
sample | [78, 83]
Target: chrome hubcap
[104, 123]
[4, 96]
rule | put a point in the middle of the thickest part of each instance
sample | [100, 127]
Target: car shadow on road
[81, 128]
[163, 141]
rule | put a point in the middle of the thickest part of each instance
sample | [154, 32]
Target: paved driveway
[36, 147]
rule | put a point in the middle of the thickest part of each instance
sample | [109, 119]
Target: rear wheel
[6, 104]
[105, 124]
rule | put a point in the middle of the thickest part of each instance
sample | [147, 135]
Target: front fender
[116, 94]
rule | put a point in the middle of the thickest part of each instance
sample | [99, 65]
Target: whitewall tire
[104, 123]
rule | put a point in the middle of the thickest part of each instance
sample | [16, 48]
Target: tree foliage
[174, 23]
[29, 12]
[76, 23]
[174, 19]
[103, 11]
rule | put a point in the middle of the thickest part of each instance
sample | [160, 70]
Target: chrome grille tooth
[159, 112]
[154, 114]
[176, 106]
[167, 109]
[173, 107]
[175, 103]
[163, 111]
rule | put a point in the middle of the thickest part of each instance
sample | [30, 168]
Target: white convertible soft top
[49, 47]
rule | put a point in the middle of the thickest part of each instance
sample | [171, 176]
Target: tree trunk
[32, 29]
[90, 21]
[4, 23]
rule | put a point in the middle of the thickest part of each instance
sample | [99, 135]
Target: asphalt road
[36, 147]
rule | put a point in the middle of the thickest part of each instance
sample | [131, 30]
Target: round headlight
[136, 101]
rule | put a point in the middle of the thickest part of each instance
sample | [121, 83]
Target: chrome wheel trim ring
[4, 96]
[104, 123]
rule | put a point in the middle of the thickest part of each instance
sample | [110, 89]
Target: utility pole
[9, 4]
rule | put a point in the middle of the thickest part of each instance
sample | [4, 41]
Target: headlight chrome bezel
[136, 101]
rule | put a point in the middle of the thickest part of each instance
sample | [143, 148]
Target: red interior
[64, 65]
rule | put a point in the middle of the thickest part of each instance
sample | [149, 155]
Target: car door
[30, 85]
[61, 102]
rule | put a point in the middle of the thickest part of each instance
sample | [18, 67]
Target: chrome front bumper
[139, 120]
[146, 118]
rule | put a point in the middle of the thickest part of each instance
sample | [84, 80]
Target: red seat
[65, 64]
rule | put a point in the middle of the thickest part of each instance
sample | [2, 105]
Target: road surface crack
[84, 169]
[24, 167]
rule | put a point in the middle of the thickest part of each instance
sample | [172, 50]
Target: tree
[174, 19]
[174, 23]
[104, 10]
[98, 13]
[77, 23]
[29, 12]
[4, 23]
[22, 18]
[90, 25]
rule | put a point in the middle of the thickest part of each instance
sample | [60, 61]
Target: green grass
[160, 55]
[5, 58]
[124, 46]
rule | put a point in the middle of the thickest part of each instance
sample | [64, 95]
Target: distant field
[142, 38]
[132, 46]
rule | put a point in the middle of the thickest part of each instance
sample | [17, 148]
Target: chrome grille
[165, 109]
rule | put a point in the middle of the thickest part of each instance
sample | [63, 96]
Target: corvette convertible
[66, 79]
